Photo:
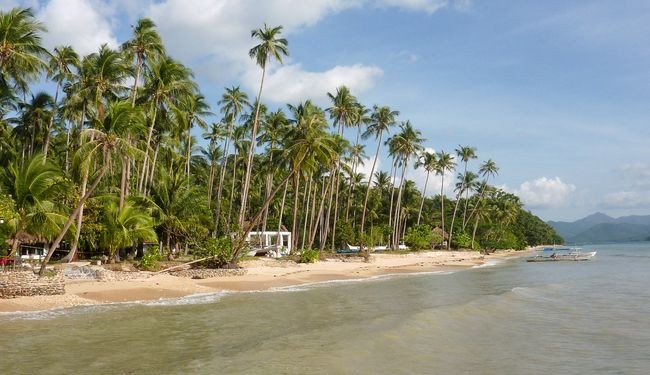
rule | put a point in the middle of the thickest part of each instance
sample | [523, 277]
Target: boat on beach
[556, 254]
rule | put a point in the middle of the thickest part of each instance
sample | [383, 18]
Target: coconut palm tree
[464, 153]
[382, 119]
[35, 187]
[143, 45]
[100, 148]
[271, 47]
[34, 119]
[63, 61]
[192, 110]
[124, 227]
[233, 104]
[445, 163]
[407, 143]
[22, 57]
[429, 162]
[166, 82]
[274, 130]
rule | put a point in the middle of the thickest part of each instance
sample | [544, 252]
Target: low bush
[419, 237]
[462, 240]
[219, 251]
[309, 256]
[149, 261]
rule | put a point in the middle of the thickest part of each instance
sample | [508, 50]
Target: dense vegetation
[109, 159]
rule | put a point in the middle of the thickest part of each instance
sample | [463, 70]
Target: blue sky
[556, 92]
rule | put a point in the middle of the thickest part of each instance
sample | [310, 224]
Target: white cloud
[291, 83]
[80, 23]
[428, 6]
[544, 192]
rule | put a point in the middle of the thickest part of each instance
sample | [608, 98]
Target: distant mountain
[598, 228]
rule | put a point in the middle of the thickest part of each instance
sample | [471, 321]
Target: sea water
[509, 318]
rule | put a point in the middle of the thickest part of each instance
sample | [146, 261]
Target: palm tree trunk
[319, 215]
[232, 190]
[453, 218]
[354, 173]
[306, 209]
[294, 223]
[474, 231]
[442, 205]
[281, 213]
[222, 177]
[211, 183]
[189, 153]
[251, 152]
[75, 213]
[372, 171]
[267, 190]
[392, 193]
[424, 191]
[336, 210]
[146, 150]
[329, 210]
[398, 204]
[150, 176]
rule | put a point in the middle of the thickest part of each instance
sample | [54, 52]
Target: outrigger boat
[562, 254]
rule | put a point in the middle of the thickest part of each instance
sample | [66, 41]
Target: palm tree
[100, 148]
[465, 153]
[429, 162]
[35, 116]
[192, 110]
[382, 119]
[124, 227]
[271, 46]
[35, 186]
[408, 142]
[144, 44]
[62, 61]
[166, 82]
[233, 103]
[444, 164]
[21, 54]
[274, 130]
[307, 146]
[488, 169]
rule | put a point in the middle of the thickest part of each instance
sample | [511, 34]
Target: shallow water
[510, 318]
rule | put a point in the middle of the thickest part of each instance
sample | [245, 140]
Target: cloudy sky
[556, 92]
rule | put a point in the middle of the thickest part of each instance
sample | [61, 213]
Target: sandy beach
[260, 274]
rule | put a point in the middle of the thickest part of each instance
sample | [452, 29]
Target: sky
[557, 93]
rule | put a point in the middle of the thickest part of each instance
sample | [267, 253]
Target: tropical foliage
[124, 149]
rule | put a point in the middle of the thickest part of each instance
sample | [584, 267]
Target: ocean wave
[489, 263]
[193, 299]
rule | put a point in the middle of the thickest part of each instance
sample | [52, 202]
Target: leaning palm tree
[382, 119]
[444, 164]
[270, 47]
[100, 148]
[465, 153]
[429, 162]
[21, 55]
[488, 169]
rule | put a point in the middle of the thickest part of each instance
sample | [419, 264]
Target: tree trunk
[294, 223]
[398, 205]
[251, 153]
[141, 186]
[353, 179]
[424, 191]
[442, 205]
[372, 171]
[74, 214]
[284, 196]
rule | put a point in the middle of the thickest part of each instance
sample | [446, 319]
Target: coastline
[261, 275]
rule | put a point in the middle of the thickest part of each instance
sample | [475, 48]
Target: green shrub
[462, 240]
[219, 250]
[149, 261]
[419, 237]
[309, 256]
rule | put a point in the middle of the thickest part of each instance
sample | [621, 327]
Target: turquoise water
[510, 318]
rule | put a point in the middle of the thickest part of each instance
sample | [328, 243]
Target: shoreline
[264, 274]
